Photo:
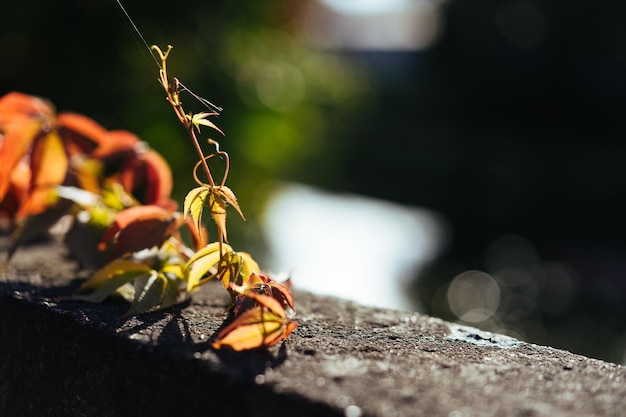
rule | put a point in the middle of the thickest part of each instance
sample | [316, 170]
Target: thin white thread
[202, 100]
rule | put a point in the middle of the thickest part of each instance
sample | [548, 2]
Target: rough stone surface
[62, 358]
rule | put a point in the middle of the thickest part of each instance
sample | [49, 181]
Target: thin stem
[174, 99]
[203, 159]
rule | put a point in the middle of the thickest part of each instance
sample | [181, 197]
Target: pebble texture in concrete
[73, 358]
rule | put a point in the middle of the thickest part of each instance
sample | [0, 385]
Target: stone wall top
[60, 357]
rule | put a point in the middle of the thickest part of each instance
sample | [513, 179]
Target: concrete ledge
[62, 358]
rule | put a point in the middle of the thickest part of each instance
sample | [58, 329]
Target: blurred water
[348, 246]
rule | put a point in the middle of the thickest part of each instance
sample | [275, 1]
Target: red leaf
[261, 289]
[154, 177]
[138, 228]
[80, 133]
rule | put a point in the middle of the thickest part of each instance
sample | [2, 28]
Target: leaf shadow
[168, 328]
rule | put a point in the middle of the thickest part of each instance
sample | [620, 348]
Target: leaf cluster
[68, 166]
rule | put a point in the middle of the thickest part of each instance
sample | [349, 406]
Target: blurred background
[461, 158]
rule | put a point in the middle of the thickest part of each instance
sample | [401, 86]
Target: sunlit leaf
[219, 197]
[255, 328]
[22, 119]
[13, 147]
[247, 267]
[174, 269]
[262, 291]
[88, 173]
[217, 208]
[263, 300]
[194, 204]
[228, 196]
[115, 197]
[48, 166]
[201, 118]
[282, 294]
[17, 190]
[202, 262]
[111, 277]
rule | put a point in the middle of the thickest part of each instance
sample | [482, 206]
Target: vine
[112, 186]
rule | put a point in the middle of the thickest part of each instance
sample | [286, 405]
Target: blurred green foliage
[280, 97]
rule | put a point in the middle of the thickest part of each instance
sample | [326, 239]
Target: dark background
[500, 140]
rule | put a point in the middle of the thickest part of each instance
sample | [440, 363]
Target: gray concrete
[67, 358]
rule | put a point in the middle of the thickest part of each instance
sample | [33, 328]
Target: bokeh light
[473, 296]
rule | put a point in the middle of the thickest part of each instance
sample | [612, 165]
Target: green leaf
[236, 268]
[248, 266]
[202, 119]
[194, 203]
[172, 293]
[149, 291]
[108, 279]
[201, 263]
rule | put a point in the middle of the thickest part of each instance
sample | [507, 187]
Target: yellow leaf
[218, 213]
[108, 279]
[248, 267]
[202, 119]
[175, 270]
[194, 203]
[228, 196]
[201, 263]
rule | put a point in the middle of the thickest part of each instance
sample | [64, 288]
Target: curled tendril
[206, 158]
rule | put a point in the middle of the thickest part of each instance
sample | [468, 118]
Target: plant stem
[174, 99]
[205, 165]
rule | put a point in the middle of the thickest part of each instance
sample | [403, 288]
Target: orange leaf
[116, 144]
[263, 291]
[14, 145]
[17, 191]
[48, 166]
[22, 118]
[16, 104]
[267, 301]
[255, 328]
[282, 294]
[80, 133]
